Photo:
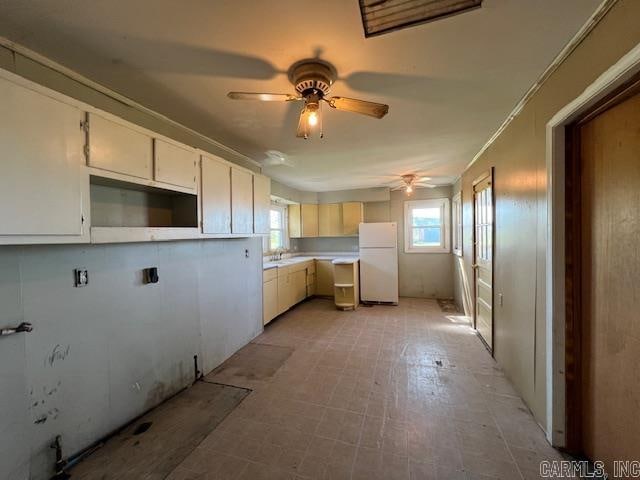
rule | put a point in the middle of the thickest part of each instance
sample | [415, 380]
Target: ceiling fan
[312, 80]
[411, 181]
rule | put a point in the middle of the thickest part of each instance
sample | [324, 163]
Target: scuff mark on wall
[58, 354]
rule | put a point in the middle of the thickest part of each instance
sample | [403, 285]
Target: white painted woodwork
[261, 203]
[216, 196]
[41, 149]
[119, 148]
[174, 165]
[483, 258]
[141, 234]
[269, 300]
[241, 201]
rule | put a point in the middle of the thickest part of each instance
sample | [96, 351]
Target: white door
[41, 153]
[483, 257]
[14, 424]
[379, 275]
[378, 235]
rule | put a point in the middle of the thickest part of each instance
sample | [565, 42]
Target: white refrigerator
[379, 262]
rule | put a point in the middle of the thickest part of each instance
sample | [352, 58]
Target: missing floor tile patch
[447, 305]
[155, 444]
[251, 366]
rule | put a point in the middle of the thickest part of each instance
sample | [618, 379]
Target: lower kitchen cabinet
[269, 300]
[324, 278]
[286, 286]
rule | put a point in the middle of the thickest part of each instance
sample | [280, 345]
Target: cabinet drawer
[118, 148]
[174, 165]
[269, 274]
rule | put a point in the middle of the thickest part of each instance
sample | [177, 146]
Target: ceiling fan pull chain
[321, 124]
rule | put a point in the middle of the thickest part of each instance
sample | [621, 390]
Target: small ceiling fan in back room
[312, 80]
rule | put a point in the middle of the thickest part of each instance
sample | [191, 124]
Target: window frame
[445, 225]
[285, 227]
[456, 224]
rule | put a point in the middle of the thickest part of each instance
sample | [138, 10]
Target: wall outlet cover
[81, 277]
[151, 275]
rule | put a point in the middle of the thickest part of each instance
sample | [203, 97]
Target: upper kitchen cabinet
[352, 217]
[309, 217]
[175, 165]
[295, 222]
[43, 182]
[329, 220]
[241, 201]
[119, 148]
[215, 195]
[303, 220]
[261, 203]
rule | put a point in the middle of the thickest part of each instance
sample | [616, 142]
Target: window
[426, 226]
[277, 227]
[456, 223]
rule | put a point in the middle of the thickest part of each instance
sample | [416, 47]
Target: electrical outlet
[151, 275]
[81, 277]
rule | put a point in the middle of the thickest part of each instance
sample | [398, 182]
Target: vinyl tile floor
[385, 392]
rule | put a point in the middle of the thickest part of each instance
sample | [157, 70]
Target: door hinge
[86, 151]
[84, 125]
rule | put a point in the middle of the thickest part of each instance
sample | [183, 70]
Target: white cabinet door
[174, 165]
[261, 203]
[117, 148]
[41, 164]
[216, 196]
[241, 201]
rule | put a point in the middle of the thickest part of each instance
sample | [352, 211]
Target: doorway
[483, 234]
[602, 227]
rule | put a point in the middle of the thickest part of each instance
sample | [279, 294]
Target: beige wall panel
[518, 156]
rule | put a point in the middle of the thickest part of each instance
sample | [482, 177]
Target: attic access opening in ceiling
[384, 16]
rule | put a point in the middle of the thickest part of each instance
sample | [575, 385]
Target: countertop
[335, 258]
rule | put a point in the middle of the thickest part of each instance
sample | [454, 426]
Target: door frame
[486, 174]
[560, 328]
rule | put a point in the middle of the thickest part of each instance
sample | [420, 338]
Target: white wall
[102, 354]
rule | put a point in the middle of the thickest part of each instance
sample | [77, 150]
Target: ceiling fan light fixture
[408, 190]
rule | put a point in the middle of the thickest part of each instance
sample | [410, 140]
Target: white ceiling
[449, 83]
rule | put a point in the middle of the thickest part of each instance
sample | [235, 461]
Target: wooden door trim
[490, 175]
[573, 262]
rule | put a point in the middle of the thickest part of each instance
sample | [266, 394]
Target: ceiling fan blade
[264, 97]
[399, 187]
[425, 185]
[377, 110]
